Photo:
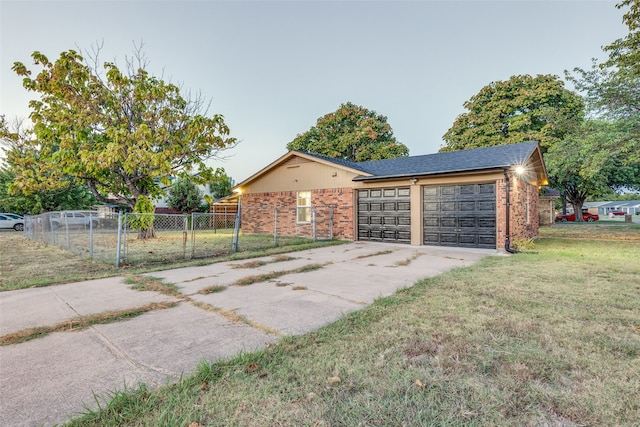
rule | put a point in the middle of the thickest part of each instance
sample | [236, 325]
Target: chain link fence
[136, 239]
[83, 232]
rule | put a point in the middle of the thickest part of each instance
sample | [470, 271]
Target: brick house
[449, 199]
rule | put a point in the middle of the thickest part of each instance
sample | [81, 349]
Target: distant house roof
[496, 157]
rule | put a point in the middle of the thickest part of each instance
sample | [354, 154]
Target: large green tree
[121, 133]
[221, 184]
[71, 197]
[352, 133]
[610, 141]
[612, 88]
[184, 196]
[523, 108]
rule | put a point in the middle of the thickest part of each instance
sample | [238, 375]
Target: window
[304, 206]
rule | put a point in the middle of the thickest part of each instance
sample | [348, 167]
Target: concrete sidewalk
[45, 381]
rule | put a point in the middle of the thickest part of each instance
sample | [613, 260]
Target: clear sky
[273, 68]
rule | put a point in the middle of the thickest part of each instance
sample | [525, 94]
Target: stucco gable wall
[299, 174]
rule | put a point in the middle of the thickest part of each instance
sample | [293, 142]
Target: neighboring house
[547, 206]
[450, 199]
[629, 207]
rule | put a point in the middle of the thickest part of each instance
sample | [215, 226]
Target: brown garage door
[460, 215]
[384, 214]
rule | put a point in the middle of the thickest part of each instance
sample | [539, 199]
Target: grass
[83, 322]
[265, 277]
[550, 337]
[152, 284]
[255, 264]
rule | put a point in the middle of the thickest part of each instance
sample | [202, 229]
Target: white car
[7, 221]
[74, 219]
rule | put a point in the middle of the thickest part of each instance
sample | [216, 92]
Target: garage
[460, 215]
[384, 215]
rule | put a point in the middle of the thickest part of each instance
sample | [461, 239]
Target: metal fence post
[185, 218]
[125, 227]
[193, 234]
[236, 228]
[53, 234]
[91, 234]
[119, 239]
[66, 223]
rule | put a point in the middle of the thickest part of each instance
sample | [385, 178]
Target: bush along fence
[135, 239]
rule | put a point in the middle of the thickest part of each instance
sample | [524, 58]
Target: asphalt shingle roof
[501, 156]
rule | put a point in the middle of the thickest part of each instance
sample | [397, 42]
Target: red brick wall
[524, 220]
[262, 211]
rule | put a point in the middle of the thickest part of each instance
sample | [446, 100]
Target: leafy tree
[221, 184]
[611, 142]
[611, 88]
[588, 163]
[351, 133]
[122, 133]
[71, 198]
[624, 53]
[523, 108]
[185, 196]
[143, 218]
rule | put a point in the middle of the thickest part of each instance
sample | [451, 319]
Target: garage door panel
[384, 215]
[448, 221]
[489, 189]
[389, 220]
[389, 206]
[449, 238]
[460, 215]
[403, 220]
[487, 205]
[468, 239]
[375, 220]
[430, 191]
[448, 206]
[487, 240]
[467, 205]
[469, 222]
[487, 223]
[447, 191]
[404, 206]
[432, 222]
[431, 207]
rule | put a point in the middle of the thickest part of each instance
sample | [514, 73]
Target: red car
[617, 212]
[572, 217]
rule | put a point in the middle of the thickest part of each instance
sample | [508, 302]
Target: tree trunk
[146, 233]
[577, 209]
[576, 198]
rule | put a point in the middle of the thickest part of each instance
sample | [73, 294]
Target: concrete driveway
[47, 380]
